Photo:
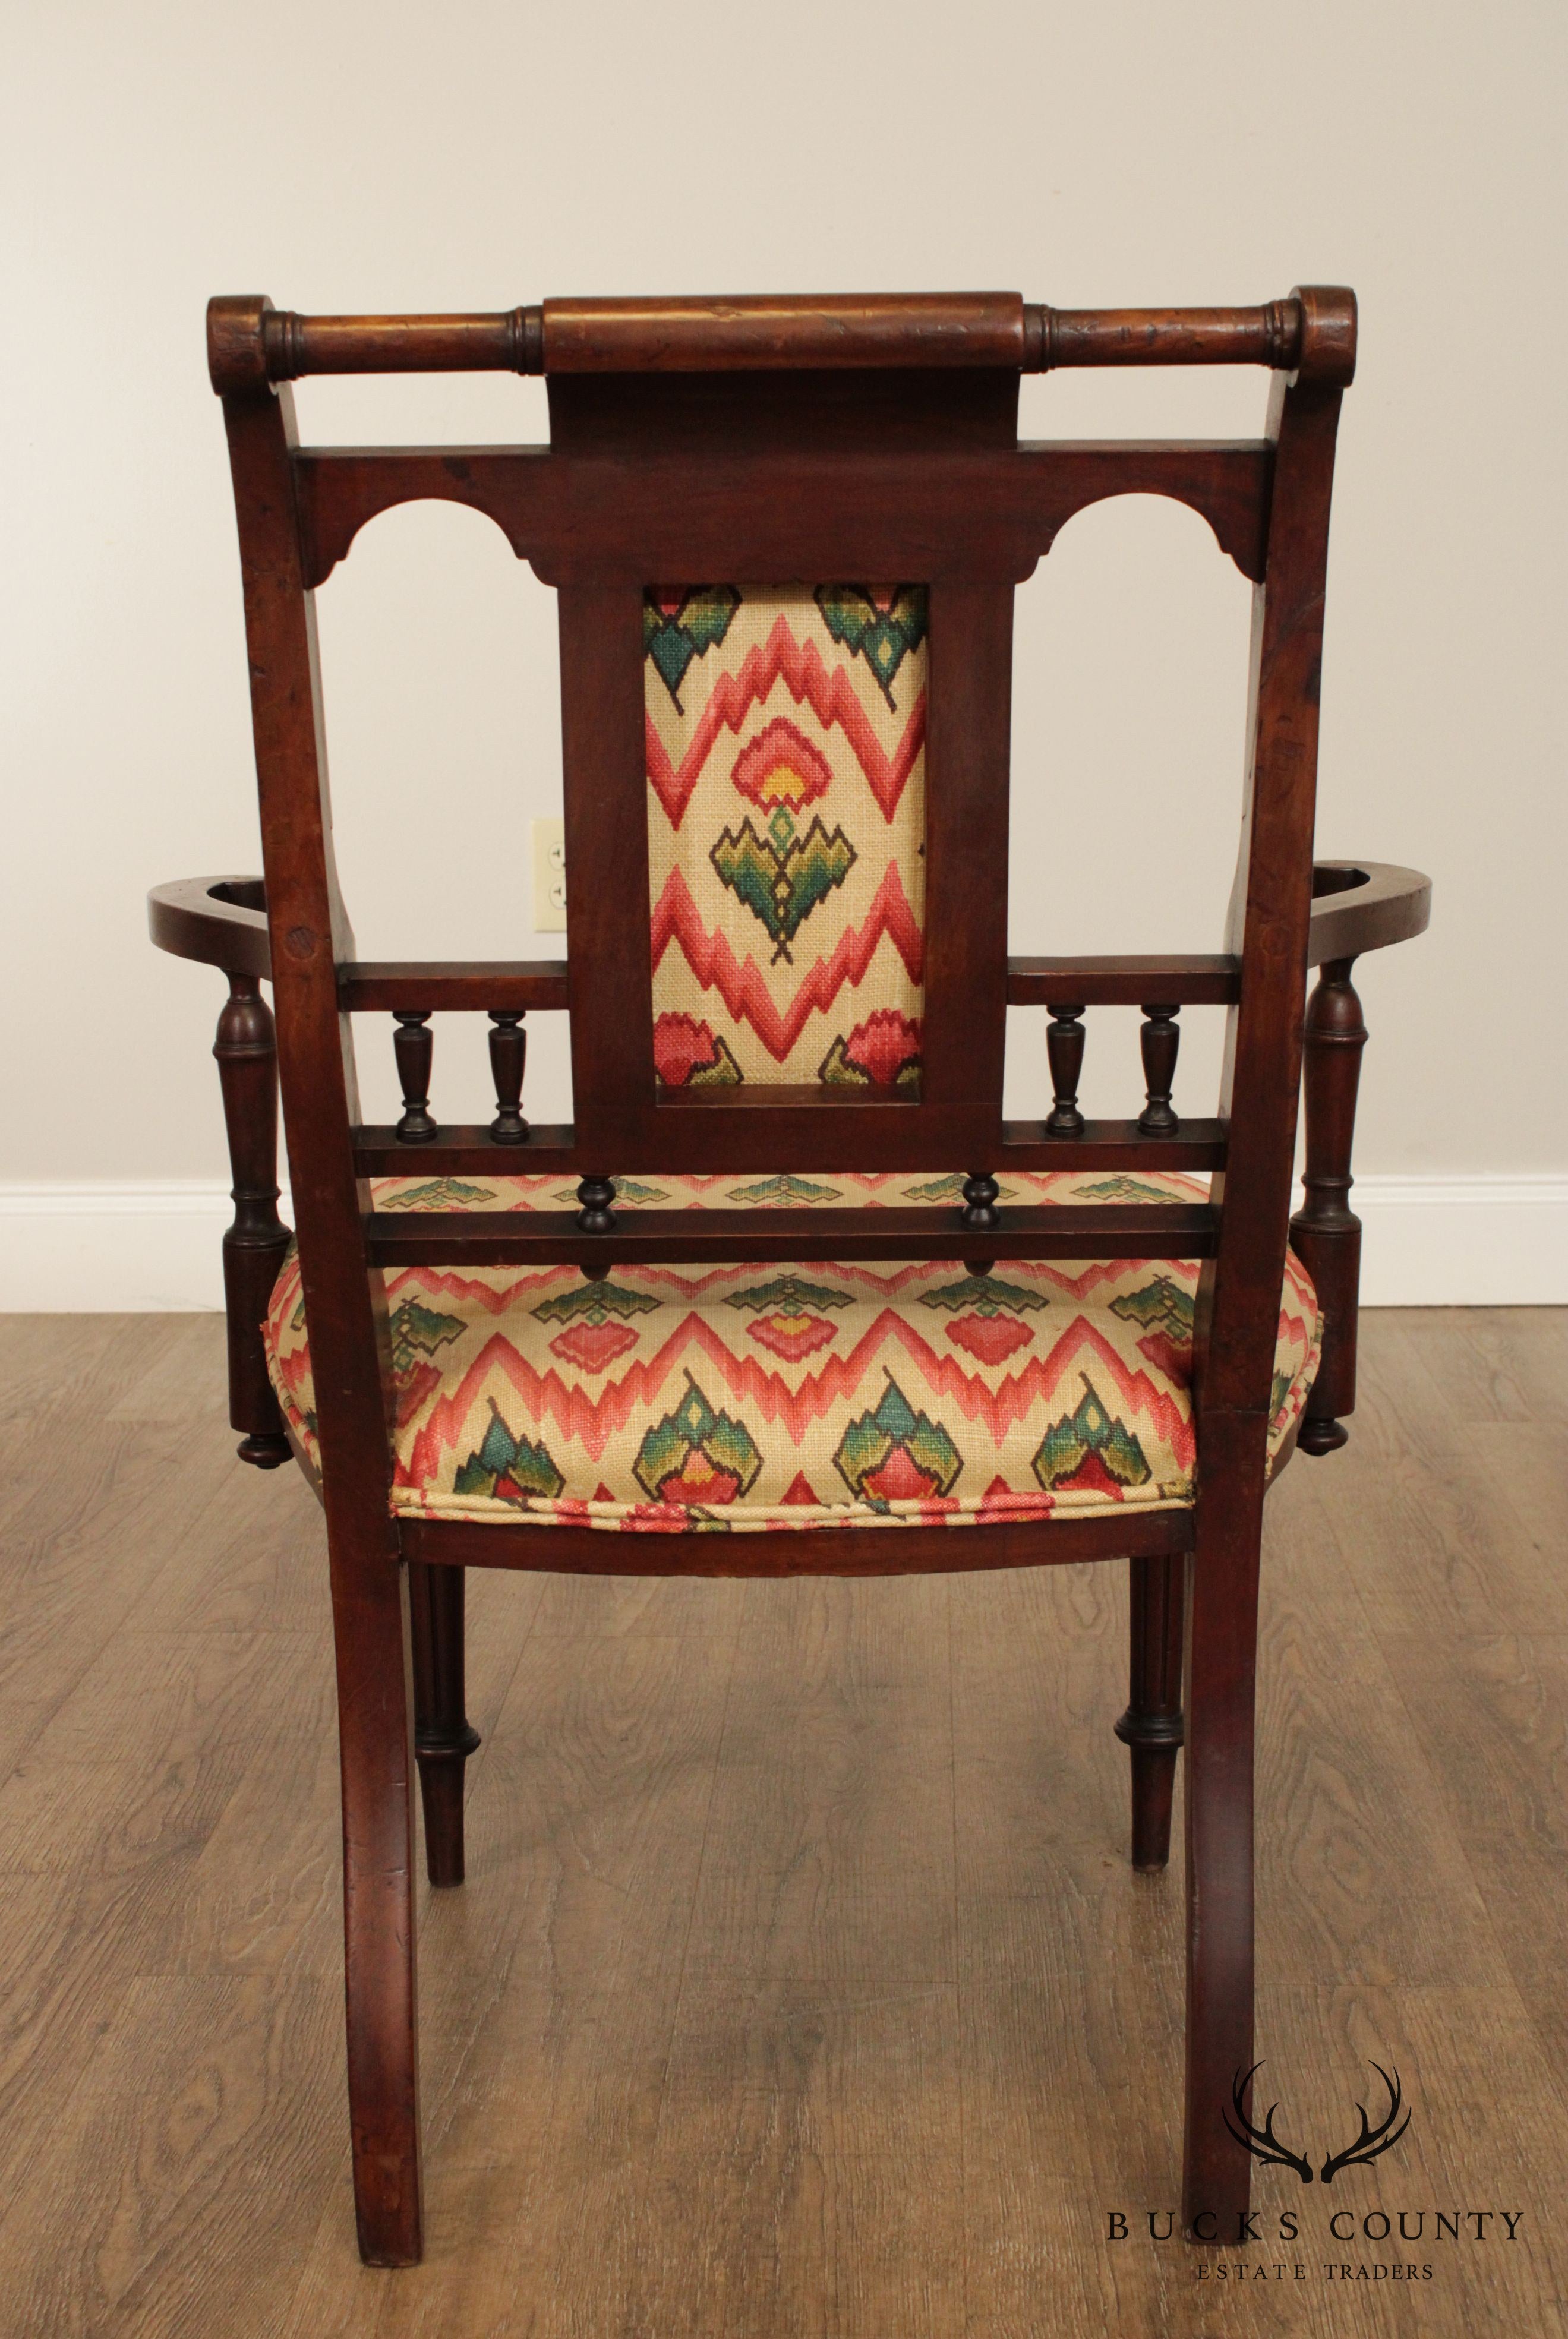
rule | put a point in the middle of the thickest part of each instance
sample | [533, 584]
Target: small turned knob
[595, 1215]
[979, 1212]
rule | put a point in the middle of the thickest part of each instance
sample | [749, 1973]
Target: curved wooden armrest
[220, 921]
[1363, 905]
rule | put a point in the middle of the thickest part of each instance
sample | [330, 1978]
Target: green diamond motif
[788, 1295]
[1162, 1306]
[771, 1193]
[1090, 1432]
[883, 637]
[985, 1295]
[440, 1194]
[781, 886]
[416, 1330]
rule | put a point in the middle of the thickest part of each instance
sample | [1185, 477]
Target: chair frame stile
[810, 439]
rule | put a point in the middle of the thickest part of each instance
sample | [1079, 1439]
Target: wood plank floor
[800, 1985]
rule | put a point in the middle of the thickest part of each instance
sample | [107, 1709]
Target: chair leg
[1151, 1726]
[444, 1737]
[1221, 1669]
[371, 1632]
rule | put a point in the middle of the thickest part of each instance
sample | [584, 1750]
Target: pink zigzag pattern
[592, 1417]
[743, 989]
[831, 698]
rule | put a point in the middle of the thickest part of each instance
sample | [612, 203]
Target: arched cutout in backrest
[440, 680]
[1130, 699]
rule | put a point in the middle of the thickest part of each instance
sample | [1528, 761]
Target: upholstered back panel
[786, 831]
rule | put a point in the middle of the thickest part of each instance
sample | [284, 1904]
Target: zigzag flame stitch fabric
[785, 735]
[766, 1399]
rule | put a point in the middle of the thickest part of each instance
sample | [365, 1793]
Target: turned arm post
[255, 1244]
[1325, 1233]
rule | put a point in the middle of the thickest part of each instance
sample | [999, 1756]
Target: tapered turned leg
[444, 1737]
[1151, 1726]
[256, 1244]
[1325, 1233]
[1221, 1666]
[370, 1633]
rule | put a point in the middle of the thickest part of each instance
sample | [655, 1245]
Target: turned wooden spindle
[980, 1213]
[1325, 1233]
[1152, 1725]
[508, 1055]
[257, 1242]
[595, 1215]
[980, 1194]
[1159, 1040]
[413, 1045]
[1064, 1049]
[444, 1737]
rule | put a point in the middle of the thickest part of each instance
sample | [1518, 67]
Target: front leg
[1151, 1726]
[1325, 1233]
[444, 1737]
[257, 1242]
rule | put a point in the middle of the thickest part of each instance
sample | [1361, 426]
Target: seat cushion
[775, 1397]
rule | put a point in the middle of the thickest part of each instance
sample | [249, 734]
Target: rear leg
[444, 1737]
[1152, 1725]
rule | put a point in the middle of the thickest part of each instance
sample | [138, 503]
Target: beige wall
[396, 158]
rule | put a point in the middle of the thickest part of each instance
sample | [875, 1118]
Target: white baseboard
[1430, 1242]
[1494, 1242]
[113, 1248]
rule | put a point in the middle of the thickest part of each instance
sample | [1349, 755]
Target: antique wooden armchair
[790, 1296]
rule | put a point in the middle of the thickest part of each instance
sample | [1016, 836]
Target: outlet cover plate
[550, 840]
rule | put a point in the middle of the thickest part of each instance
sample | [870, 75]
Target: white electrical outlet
[550, 876]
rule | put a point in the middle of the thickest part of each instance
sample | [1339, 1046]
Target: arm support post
[1325, 1233]
[255, 1244]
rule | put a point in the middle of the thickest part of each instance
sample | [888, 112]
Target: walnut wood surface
[256, 1242]
[463, 1149]
[1151, 1727]
[444, 985]
[1326, 1231]
[1209, 980]
[754, 332]
[1160, 1041]
[1313, 332]
[604, 513]
[508, 1052]
[1064, 1231]
[310, 936]
[1236, 1313]
[444, 1737]
[812, 1551]
[1360, 906]
[413, 1044]
[219, 921]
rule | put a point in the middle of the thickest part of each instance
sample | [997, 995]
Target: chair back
[786, 537]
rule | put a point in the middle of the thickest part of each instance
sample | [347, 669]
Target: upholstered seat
[784, 1397]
